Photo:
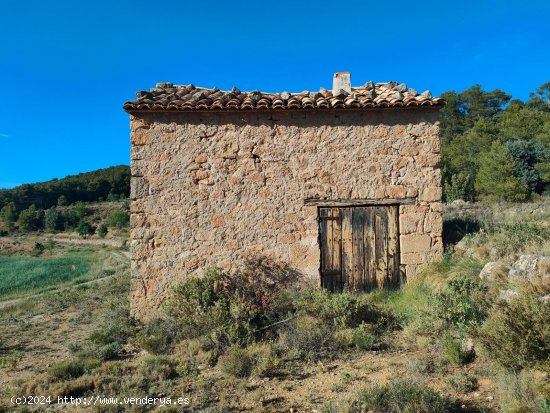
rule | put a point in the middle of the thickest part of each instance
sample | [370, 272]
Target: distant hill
[101, 184]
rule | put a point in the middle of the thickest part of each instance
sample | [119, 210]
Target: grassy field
[23, 275]
[19, 274]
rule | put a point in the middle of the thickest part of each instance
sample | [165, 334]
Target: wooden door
[359, 247]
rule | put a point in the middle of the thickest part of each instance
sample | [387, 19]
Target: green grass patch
[18, 274]
[407, 303]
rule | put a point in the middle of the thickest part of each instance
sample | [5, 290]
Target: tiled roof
[167, 97]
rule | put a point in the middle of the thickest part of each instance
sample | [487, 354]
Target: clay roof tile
[185, 98]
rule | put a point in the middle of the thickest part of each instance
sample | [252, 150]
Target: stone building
[342, 185]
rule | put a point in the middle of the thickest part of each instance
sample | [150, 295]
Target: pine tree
[495, 180]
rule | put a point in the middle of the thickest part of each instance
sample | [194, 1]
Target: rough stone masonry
[218, 177]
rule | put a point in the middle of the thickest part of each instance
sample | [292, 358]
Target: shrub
[70, 369]
[460, 186]
[403, 397]
[345, 309]
[511, 238]
[115, 325]
[463, 383]
[236, 362]
[159, 367]
[191, 356]
[460, 304]
[455, 350]
[307, 337]
[118, 219]
[109, 351]
[81, 210]
[230, 310]
[159, 336]
[38, 248]
[199, 306]
[363, 338]
[102, 230]
[344, 337]
[266, 361]
[430, 364]
[84, 228]
[527, 391]
[49, 244]
[516, 333]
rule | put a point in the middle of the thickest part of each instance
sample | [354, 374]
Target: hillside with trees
[495, 148]
[99, 185]
[59, 204]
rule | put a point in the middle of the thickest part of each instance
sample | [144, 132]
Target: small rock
[530, 267]
[285, 96]
[507, 295]
[490, 271]
[427, 94]
[459, 203]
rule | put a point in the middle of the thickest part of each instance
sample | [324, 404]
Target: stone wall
[211, 189]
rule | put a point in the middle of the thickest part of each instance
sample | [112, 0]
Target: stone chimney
[341, 82]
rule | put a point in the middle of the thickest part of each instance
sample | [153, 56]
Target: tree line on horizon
[37, 206]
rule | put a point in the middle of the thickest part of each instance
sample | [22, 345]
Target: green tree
[495, 180]
[464, 109]
[118, 219]
[8, 214]
[540, 98]
[460, 186]
[84, 228]
[62, 201]
[526, 155]
[102, 230]
[81, 209]
[30, 219]
[53, 219]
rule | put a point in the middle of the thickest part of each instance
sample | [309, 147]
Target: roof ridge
[169, 97]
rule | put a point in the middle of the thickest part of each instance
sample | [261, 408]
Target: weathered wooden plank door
[359, 247]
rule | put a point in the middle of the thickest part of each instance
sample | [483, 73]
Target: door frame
[342, 203]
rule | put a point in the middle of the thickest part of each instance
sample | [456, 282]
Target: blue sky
[67, 67]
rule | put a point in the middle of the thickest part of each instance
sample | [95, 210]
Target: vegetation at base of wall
[241, 310]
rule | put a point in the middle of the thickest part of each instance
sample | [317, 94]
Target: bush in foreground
[70, 369]
[403, 397]
[516, 333]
